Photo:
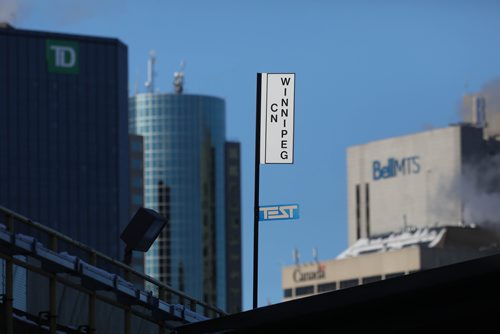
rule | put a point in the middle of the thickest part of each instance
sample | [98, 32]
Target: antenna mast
[479, 111]
[150, 84]
[296, 256]
[136, 83]
[179, 79]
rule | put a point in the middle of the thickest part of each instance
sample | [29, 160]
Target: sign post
[256, 193]
[274, 139]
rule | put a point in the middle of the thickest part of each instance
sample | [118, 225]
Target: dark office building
[64, 133]
[136, 186]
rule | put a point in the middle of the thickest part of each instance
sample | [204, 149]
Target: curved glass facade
[184, 137]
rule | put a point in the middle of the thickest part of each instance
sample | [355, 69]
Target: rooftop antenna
[479, 111]
[179, 79]
[136, 83]
[296, 256]
[150, 84]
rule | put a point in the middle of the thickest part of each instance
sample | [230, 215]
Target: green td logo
[62, 56]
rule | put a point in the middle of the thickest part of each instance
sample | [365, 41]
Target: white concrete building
[411, 181]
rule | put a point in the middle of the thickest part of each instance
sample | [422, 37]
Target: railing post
[92, 299]
[161, 293]
[192, 305]
[9, 285]
[181, 300]
[161, 296]
[53, 292]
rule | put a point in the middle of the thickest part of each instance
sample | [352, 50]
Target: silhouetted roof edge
[330, 302]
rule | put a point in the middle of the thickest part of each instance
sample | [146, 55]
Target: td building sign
[62, 56]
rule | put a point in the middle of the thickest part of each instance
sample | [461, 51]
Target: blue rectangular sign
[279, 212]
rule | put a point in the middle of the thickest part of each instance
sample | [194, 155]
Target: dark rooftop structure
[460, 297]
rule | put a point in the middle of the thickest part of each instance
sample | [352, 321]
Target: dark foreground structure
[82, 291]
[457, 298]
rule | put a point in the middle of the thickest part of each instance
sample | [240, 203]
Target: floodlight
[142, 231]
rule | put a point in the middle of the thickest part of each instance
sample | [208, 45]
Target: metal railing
[16, 223]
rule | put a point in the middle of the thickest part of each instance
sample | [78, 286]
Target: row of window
[332, 286]
[166, 147]
[155, 101]
[168, 170]
[174, 163]
[136, 146]
[153, 117]
[136, 164]
[169, 154]
[187, 190]
[137, 200]
[169, 127]
[165, 108]
[137, 182]
[141, 112]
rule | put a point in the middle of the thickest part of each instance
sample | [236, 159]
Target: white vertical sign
[277, 107]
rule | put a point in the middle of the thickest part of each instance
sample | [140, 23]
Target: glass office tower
[64, 133]
[184, 143]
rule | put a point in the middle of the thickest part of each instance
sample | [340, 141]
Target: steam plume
[9, 10]
[479, 184]
[63, 12]
[480, 192]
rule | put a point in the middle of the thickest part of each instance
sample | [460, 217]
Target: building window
[367, 208]
[327, 287]
[137, 182]
[304, 290]
[287, 293]
[371, 279]
[348, 283]
[136, 163]
[137, 199]
[136, 146]
[394, 275]
[358, 213]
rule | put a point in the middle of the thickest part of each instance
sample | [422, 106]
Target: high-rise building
[136, 186]
[64, 133]
[233, 227]
[185, 180]
[415, 202]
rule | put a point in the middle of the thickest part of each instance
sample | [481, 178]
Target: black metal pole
[256, 197]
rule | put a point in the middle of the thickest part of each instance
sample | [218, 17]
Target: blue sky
[366, 70]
